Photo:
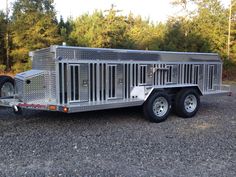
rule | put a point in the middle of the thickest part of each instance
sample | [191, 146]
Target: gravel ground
[120, 142]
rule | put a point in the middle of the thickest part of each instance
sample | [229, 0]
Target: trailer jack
[17, 110]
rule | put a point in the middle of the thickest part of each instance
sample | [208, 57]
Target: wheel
[6, 86]
[157, 107]
[187, 103]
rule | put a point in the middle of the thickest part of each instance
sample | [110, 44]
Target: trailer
[76, 79]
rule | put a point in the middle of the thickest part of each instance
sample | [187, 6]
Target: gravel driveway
[120, 142]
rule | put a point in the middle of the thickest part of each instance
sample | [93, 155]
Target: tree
[3, 31]
[33, 26]
[145, 36]
[209, 23]
[2, 37]
[233, 31]
[181, 36]
[99, 30]
[114, 31]
[65, 29]
[86, 29]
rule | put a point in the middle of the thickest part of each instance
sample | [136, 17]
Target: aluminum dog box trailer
[76, 79]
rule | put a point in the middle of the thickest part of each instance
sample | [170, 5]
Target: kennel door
[78, 82]
[114, 80]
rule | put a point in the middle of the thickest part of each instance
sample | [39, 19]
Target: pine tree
[233, 32]
[34, 26]
[2, 38]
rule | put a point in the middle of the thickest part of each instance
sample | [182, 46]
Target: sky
[155, 10]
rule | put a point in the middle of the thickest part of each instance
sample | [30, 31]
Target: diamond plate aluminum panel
[82, 53]
[31, 86]
[44, 60]
[36, 89]
[95, 54]
[19, 88]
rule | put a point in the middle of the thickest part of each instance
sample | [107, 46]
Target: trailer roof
[71, 52]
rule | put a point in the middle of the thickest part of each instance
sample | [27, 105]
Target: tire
[157, 107]
[187, 103]
[6, 86]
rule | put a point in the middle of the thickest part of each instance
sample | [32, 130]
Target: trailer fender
[149, 90]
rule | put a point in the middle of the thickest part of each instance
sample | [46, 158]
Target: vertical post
[7, 38]
[229, 29]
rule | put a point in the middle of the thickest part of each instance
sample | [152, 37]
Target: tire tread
[4, 79]
[147, 107]
[179, 103]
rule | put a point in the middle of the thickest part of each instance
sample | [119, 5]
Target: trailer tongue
[76, 79]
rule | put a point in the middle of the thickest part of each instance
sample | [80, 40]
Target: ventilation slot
[127, 80]
[210, 78]
[180, 74]
[142, 74]
[169, 74]
[112, 81]
[93, 82]
[135, 75]
[101, 88]
[190, 80]
[162, 74]
[154, 75]
[104, 81]
[74, 84]
[187, 74]
[196, 75]
[63, 83]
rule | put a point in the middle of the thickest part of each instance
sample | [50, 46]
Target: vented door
[211, 78]
[78, 82]
[114, 87]
[111, 81]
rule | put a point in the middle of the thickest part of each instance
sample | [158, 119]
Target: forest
[33, 24]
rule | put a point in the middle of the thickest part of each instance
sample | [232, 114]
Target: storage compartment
[31, 86]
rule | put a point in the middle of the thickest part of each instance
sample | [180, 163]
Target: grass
[229, 82]
[8, 74]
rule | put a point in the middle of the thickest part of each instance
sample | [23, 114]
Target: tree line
[33, 25]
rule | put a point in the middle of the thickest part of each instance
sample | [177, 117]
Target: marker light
[65, 109]
[52, 107]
